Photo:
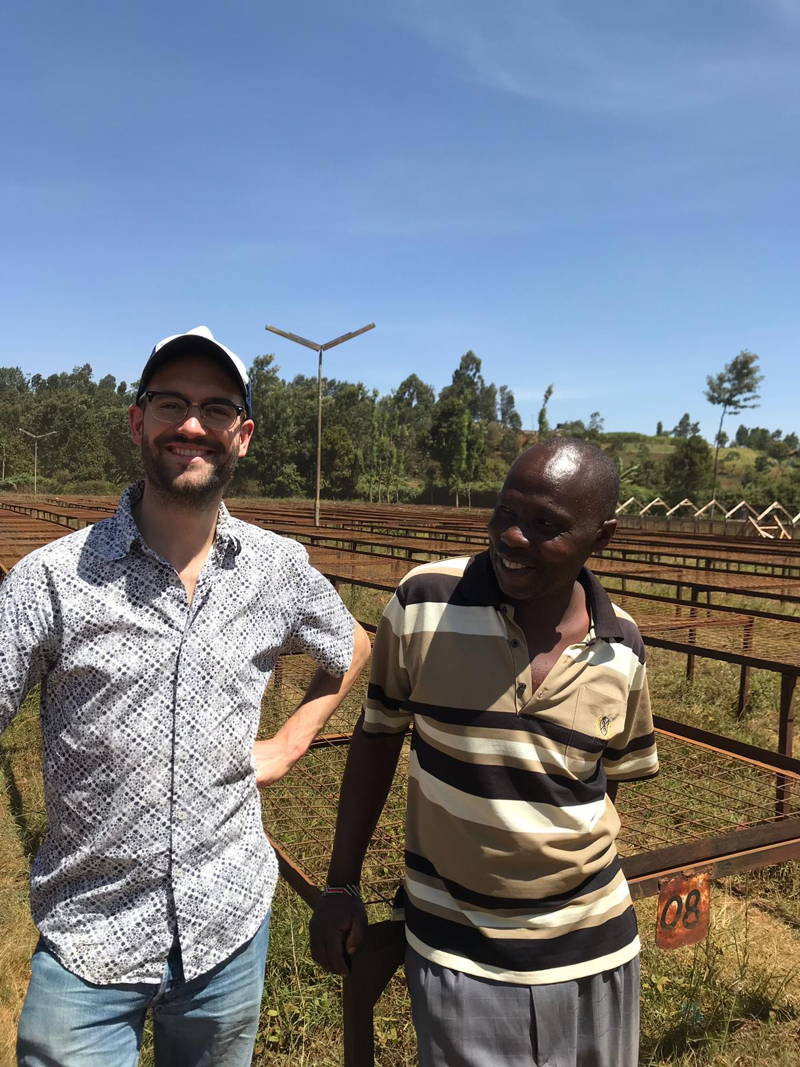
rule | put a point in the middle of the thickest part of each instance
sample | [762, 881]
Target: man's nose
[192, 423]
[514, 537]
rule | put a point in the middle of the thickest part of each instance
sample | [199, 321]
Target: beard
[189, 493]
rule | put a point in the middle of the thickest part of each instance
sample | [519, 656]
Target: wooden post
[692, 637]
[744, 691]
[372, 968]
[785, 741]
[744, 674]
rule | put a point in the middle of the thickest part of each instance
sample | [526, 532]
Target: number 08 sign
[684, 907]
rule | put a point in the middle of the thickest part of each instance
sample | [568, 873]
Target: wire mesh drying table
[712, 808]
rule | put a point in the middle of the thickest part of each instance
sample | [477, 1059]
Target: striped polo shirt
[511, 869]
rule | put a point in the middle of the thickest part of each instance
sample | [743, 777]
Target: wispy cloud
[611, 57]
[784, 11]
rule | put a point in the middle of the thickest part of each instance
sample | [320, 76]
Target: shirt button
[520, 690]
[514, 642]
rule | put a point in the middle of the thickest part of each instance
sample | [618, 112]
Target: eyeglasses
[174, 409]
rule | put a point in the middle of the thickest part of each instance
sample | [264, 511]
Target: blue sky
[599, 195]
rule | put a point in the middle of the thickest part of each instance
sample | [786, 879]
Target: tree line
[409, 444]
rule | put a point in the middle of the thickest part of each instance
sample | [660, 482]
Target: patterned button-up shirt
[149, 709]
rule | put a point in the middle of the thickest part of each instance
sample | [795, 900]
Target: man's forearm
[371, 764]
[339, 924]
[321, 699]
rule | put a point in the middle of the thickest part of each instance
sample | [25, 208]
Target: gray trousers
[462, 1021]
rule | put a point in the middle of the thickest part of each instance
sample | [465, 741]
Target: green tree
[449, 441]
[643, 476]
[595, 427]
[468, 385]
[282, 453]
[459, 426]
[685, 427]
[340, 461]
[734, 389]
[509, 417]
[687, 468]
[408, 418]
[504, 439]
[16, 406]
[543, 424]
[389, 440]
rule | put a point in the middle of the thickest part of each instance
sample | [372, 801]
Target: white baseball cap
[200, 340]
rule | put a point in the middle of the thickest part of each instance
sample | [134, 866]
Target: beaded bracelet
[348, 889]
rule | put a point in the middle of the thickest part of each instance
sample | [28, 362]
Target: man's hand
[337, 929]
[272, 760]
[277, 755]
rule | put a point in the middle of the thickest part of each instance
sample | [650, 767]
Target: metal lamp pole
[319, 349]
[36, 439]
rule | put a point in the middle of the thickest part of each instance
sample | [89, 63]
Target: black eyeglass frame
[238, 408]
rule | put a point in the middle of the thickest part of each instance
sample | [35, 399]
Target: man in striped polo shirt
[527, 692]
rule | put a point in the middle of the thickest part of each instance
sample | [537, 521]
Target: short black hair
[594, 462]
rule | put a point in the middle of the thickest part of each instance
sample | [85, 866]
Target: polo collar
[479, 586]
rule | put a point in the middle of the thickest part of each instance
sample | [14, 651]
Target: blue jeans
[211, 1021]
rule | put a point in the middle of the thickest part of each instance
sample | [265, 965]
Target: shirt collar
[115, 537]
[479, 586]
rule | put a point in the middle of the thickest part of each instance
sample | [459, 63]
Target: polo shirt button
[514, 642]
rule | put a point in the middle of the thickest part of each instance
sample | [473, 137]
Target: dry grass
[21, 823]
[732, 999]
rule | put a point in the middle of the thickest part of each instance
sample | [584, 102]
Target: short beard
[195, 496]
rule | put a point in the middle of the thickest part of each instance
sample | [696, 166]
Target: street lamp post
[319, 349]
[36, 439]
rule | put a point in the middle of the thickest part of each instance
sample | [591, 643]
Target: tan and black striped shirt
[511, 869]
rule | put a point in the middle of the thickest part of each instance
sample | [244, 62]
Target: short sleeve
[389, 687]
[633, 756]
[323, 627]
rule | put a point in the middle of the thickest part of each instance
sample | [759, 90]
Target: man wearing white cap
[153, 634]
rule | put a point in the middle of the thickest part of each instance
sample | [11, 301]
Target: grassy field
[732, 1000]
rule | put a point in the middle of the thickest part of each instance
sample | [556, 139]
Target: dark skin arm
[339, 922]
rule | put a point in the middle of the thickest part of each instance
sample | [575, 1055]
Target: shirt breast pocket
[599, 717]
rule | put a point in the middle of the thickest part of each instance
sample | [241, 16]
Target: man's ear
[605, 533]
[245, 435]
[135, 420]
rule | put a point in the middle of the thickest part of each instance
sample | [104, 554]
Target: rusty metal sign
[684, 910]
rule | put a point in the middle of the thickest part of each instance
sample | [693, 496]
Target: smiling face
[548, 520]
[189, 462]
